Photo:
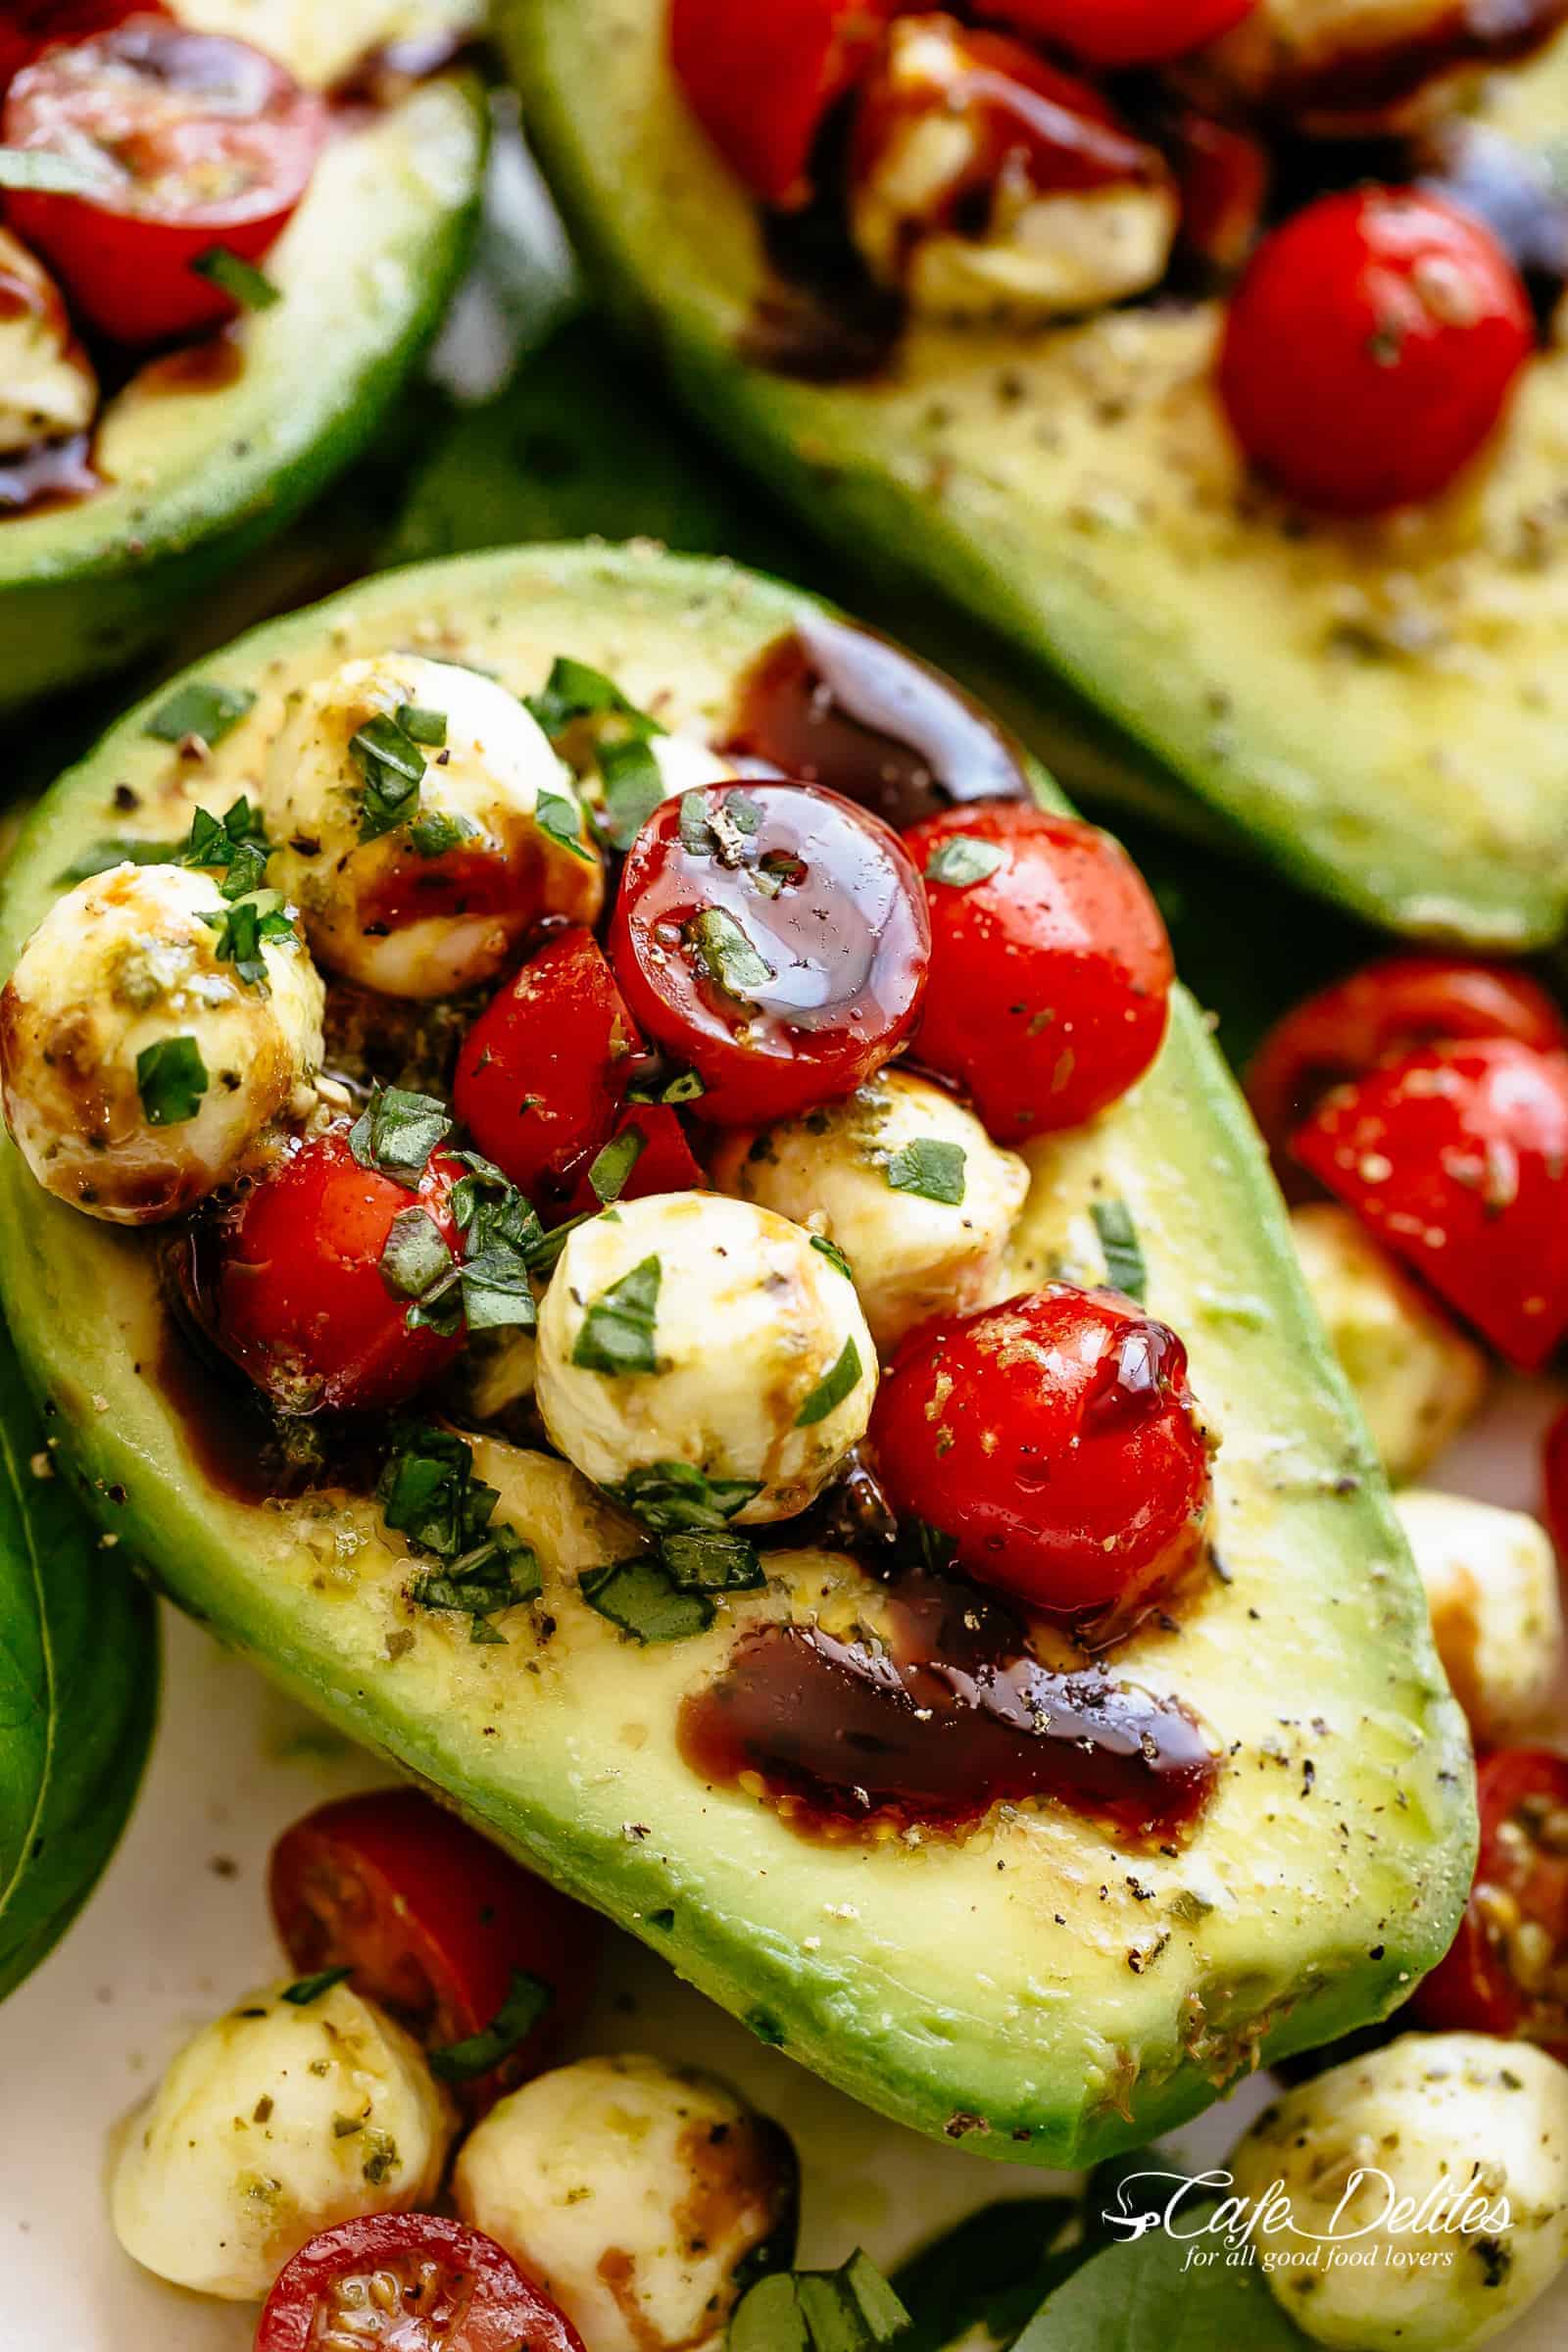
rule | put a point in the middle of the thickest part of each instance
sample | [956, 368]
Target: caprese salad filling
[517, 1067]
[1388, 270]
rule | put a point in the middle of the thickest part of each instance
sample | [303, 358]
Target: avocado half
[1380, 710]
[1032, 1988]
[208, 451]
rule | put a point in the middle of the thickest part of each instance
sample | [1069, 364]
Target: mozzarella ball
[437, 901]
[277, 2120]
[1474, 2133]
[846, 1171]
[1310, 58]
[1418, 1379]
[632, 2193]
[1490, 1579]
[48, 391]
[1040, 254]
[757, 1363]
[139, 1068]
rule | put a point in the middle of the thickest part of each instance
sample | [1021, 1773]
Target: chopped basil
[687, 1087]
[200, 708]
[307, 1989]
[542, 1259]
[848, 2309]
[52, 174]
[503, 1574]
[730, 959]
[421, 725]
[434, 832]
[237, 277]
[560, 819]
[502, 1235]
[840, 1382]
[617, 1333]
[397, 1133]
[170, 1079]
[1124, 1254]
[962, 860]
[717, 824]
[100, 856]
[414, 1256]
[709, 1561]
[643, 1599]
[833, 1253]
[634, 786]
[612, 1170]
[620, 736]
[574, 691]
[528, 2001]
[670, 1495]
[242, 929]
[392, 766]
[234, 845]
[933, 1169]
[428, 1492]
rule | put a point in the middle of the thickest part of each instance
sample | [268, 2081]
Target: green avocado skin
[1200, 672]
[92, 587]
[1030, 1992]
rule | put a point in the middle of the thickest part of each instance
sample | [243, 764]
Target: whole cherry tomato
[1372, 346]
[762, 78]
[202, 143]
[1506, 1972]
[664, 1161]
[1389, 1008]
[1124, 32]
[774, 937]
[1456, 1158]
[409, 2283]
[1050, 971]
[435, 1922]
[541, 1073]
[1055, 1440]
[302, 1303]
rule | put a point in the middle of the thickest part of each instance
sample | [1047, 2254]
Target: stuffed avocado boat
[481, 1325]
[227, 232]
[1006, 309]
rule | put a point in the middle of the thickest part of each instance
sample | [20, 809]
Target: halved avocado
[1033, 1987]
[1380, 709]
[206, 454]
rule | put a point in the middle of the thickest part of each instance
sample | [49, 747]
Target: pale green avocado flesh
[1379, 709]
[1029, 1988]
[204, 455]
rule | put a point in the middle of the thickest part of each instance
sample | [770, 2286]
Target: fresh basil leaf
[243, 927]
[989, 2273]
[708, 1560]
[234, 845]
[392, 767]
[414, 1256]
[100, 856]
[529, 1999]
[170, 1079]
[1124, 1254]
[669, 1495]
[634, 787]
[847, 2310]
[424, 1487]
[1140, 2296]
[501, 1573]
[830, 1393]
[617, 1333]
[434, 833]
[691, 822]
[497, 1293]
[560, 819]
[573, 691]
[643, 1599]
[52, 174]
[612, 1170]
[962, 860]
[79, 1691]
[422, 727]
[933, 1170]
[833, 1253]
[237, 277]
[307, 1989]
[397, 1133]
[200, 708]
[731, 960]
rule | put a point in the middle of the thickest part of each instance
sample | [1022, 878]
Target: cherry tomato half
[664, 1161]
[301, 1301]
[434, 1920]
[1124, 32]
[1055, 1439]
[1050, 972]
[760, 78]
[27, 26]
[409, 2283]
[543, 1071]
[202, 142]
[1506, 1972]
[1389, 1008]
[775, 937]
[1456, 1158]
[1372, 346]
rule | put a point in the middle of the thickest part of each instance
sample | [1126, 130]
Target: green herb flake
[617, 1333]
[668, 1495]
[428, 1493]
[642, 1598]
[573, 691]
[392, 767]
[962, 860]
[397, 1133]
[300, 1995]
[244, 927]
[414, 1256]
[834, 1254]
[237, 277]
[202, 709]
[711, 1561]
[933, 1170]
[731, 960]
[170, 1079]
[830, 1393]
[101, 857]
[234, 845]
[634, 786]
[560, 819]
[848, 2309]
[612, 1170]
[434, 833]
[528, 2002]
[1124, 1254]
[421, 725]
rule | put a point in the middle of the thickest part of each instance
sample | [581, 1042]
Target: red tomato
[1055, 1440]
[1124, 32]
[664, 1163]
[774, 937]
[1506, 1972]
[1372, 346]
[1389, 1008]
[28, 26]
[1457, 1158]
[203, 142]
[409, 2283]
[760, 78]
[300, 1299]
[1051, 976]
[433, 1920]
[543, 1071]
